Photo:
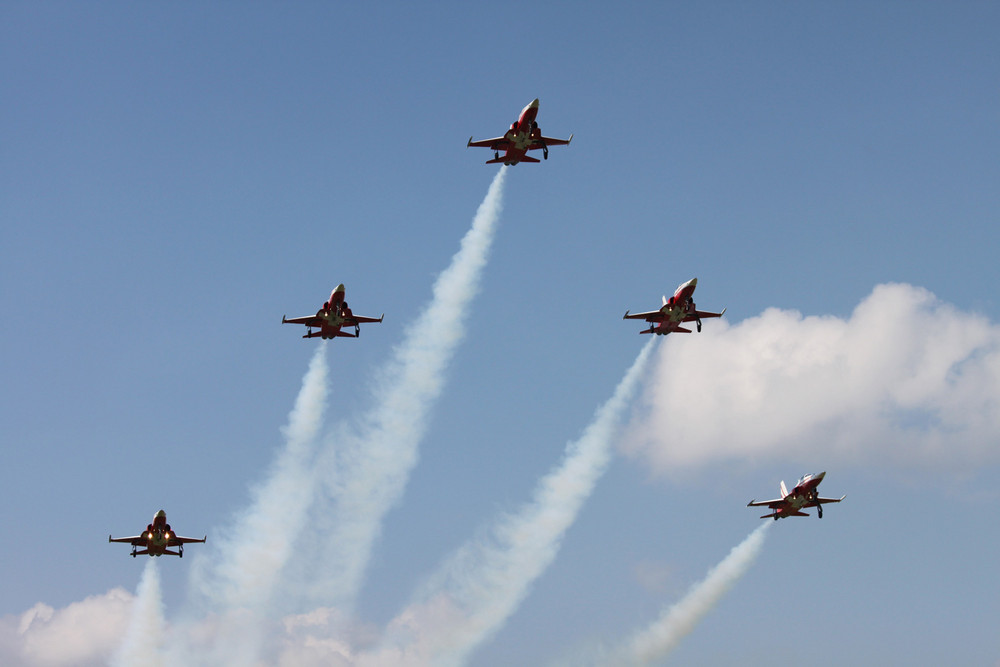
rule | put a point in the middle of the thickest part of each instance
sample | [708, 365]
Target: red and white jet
[676, 310]
[331, 317]
[157, 539]
[523, 136]
[805, 494]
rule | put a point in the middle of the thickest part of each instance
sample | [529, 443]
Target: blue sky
[176, 179]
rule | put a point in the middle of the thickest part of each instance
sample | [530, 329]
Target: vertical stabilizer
[664, 299]
[784, 489]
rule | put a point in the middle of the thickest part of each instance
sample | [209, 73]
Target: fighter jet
[331, 317]
[157, 539]
[523, 136]
[677, 309]
[805, 494]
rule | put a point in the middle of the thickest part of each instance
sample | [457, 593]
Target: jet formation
[329, 321]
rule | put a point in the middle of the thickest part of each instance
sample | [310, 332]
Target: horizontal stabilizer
[682, 330]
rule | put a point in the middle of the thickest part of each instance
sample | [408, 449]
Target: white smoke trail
[240, 575]
[375, 463]
[659, 639]
[478, 588]
[144, 641]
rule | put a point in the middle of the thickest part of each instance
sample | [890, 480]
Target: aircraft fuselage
[522, 133]
[677, 307]
[333, 313]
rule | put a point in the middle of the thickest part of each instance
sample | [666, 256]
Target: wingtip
[381, 316]
[470, 142]
[625, 316]
[570, 140]
[283, 320]
[750, 504]
[723, 312]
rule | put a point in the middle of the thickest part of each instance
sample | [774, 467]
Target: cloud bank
[905, 379]
[79, 635]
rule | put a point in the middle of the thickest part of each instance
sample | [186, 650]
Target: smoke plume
[239, 575]
[477, 589]
[364, 470]
[659, 639]
[144, 639]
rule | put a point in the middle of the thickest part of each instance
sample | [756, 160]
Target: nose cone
[819, 476]
[160, 515]
[534, 104]
[339, 288]
[693, 282]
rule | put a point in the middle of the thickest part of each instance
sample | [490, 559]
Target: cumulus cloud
[324, 637]
[906, 378]
[83, 633]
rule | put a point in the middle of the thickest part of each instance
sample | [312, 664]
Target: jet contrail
[365, 473]
[659, 639]
[144, 640]
[239, 576]
[478, 588]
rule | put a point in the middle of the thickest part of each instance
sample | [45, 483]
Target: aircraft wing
[651, 316]
[549, 141]
[309, 321]
[701, 314]
[358, 319]
[137, 541]
[777, 503]
[498, 144]
[823, 501]
[177, 539]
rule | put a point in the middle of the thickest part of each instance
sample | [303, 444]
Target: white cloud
[84, 633]
[324, 637]
[907, 378]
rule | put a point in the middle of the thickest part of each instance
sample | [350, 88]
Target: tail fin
[784, 489]
[664, 300]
